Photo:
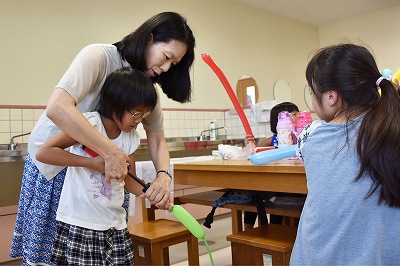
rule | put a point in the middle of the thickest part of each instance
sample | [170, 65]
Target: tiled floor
[216, 239]
[221, 257]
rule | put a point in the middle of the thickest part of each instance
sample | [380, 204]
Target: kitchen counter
[144, 155]
[181, 147]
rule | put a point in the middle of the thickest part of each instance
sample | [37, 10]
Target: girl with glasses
[90, 210]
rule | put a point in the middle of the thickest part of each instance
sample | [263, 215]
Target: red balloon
[210, 62]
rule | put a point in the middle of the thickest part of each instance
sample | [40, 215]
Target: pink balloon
[210, 62]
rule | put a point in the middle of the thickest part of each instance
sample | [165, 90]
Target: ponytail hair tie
[386, 74]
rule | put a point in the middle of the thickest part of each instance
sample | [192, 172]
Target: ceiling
[320, 12]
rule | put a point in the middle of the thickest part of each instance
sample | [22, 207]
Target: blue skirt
[36, 225]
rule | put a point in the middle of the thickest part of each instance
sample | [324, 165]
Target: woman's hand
[63, 112]
[116, 166]
[159, 192]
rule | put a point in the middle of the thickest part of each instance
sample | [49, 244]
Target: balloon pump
[178, 211]
[183, 216]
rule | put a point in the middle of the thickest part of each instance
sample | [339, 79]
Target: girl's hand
[98, 165]
[249, 138]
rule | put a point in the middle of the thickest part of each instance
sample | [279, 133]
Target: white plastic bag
[235, 152]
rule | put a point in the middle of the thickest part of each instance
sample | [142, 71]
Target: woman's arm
[62, 111]
[159, 191]
[52, 152]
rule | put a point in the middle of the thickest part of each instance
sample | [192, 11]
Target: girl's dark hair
[351, 71]
[285, 106]
[164, 27]
[125, 89]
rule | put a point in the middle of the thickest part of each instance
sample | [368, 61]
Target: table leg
[193, 251]
[237, 225]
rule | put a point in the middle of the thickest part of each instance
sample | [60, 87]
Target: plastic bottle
[284, 129]
[303, 119]
[212, 131]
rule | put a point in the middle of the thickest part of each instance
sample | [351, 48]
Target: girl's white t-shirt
[86, 199]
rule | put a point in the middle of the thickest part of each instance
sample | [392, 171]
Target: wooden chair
[263, 245]
[152, 239]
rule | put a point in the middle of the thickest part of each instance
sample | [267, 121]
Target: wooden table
[285, 175]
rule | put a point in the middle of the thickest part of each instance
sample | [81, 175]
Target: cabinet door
[7, 223]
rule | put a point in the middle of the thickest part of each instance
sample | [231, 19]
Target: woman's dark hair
[285, 106]
[163, 27]
[125, 89]
[351, 71]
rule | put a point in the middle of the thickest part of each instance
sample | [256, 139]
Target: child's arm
[130, 184]
[266, 142]
[249, 138]
[52, 152]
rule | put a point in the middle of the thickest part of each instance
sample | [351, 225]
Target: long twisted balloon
[210, 62]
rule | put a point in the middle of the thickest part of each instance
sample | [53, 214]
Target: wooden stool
[151, 241]
[261, 245]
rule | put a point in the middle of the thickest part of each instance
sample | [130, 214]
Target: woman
[163, 48]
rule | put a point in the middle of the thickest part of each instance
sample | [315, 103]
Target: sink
[178, 147]
[191, 143]
[187, 147]
[7, 155]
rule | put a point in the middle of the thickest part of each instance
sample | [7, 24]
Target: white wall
[41, 37]
[377, 30]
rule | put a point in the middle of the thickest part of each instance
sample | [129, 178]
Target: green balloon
[188, 221]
